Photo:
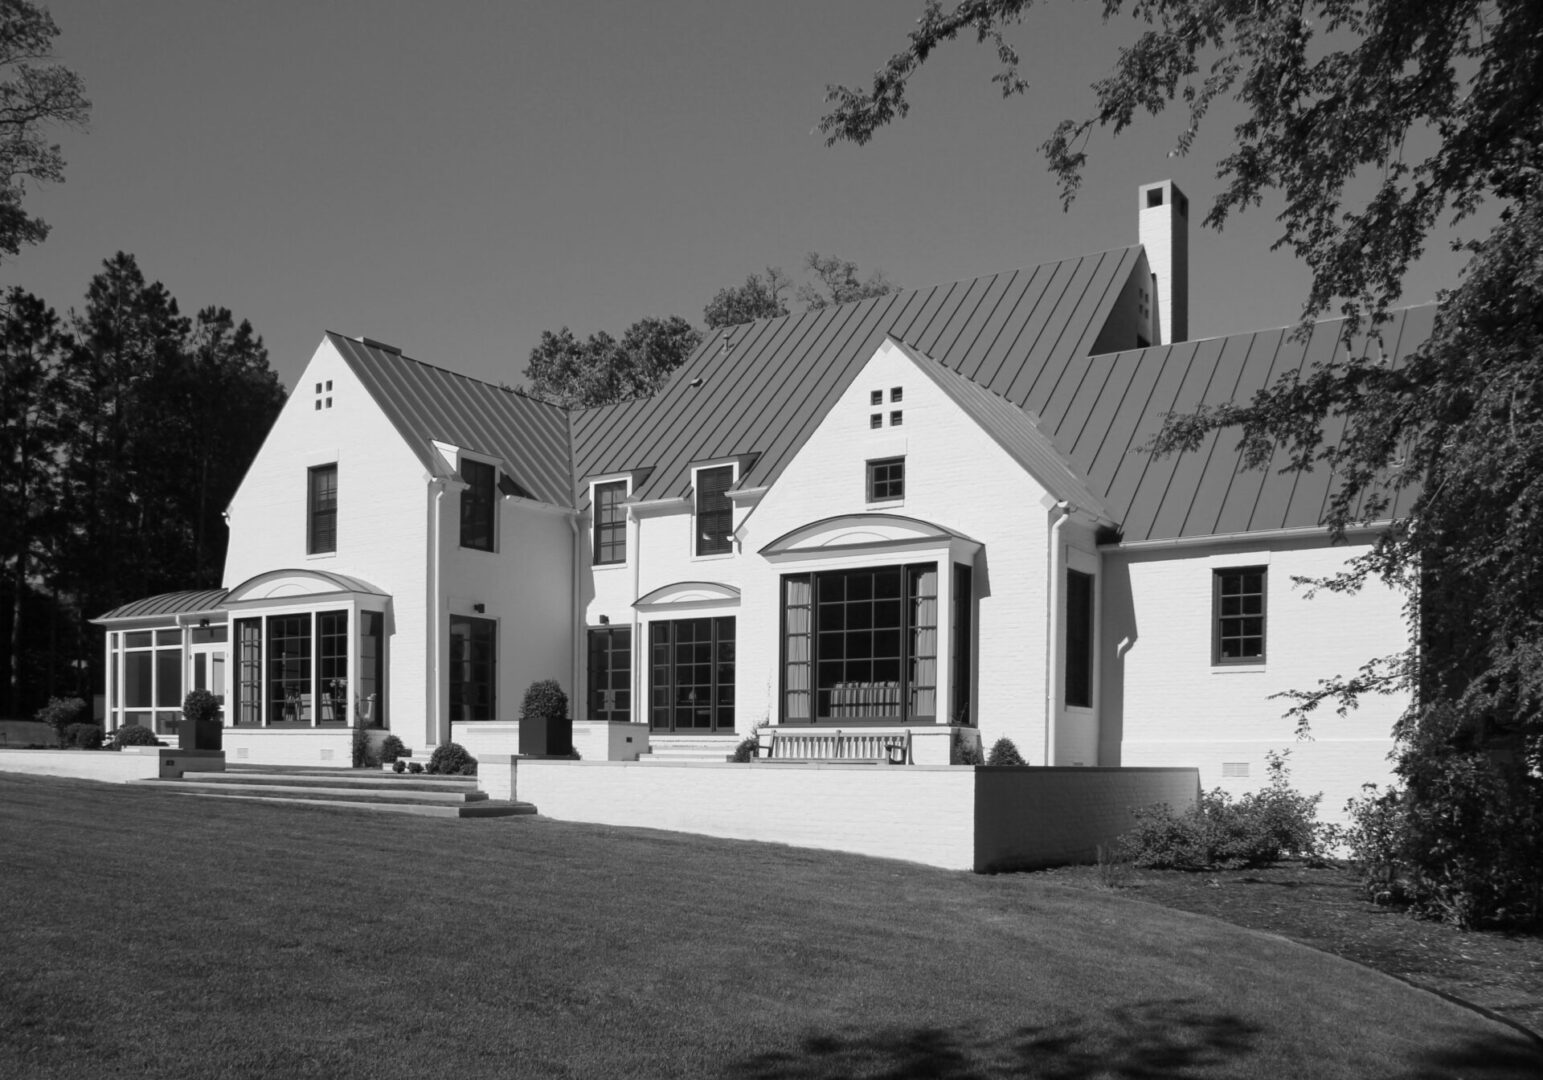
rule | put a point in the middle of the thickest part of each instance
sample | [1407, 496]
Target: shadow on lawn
[1151, 1041]
[1154, 1039]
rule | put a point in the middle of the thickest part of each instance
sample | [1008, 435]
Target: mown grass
[152, 935]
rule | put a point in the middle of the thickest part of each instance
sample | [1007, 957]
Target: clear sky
[455, 177]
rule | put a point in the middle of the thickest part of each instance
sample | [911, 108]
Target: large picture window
[478, 505]
[473, 668]
[861, 645]
[692, 674]
[610, 523]
[1237, 608]
[322, 513]
[714, 511]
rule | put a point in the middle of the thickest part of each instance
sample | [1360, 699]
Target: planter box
[202, 735]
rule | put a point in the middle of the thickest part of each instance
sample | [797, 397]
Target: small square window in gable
[896, 394]
[876, 420]
[876, 397]
[896, 418]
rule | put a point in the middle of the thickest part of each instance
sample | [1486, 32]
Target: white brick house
[923, 513]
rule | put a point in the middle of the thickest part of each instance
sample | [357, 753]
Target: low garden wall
[113, 766]
[955, 817]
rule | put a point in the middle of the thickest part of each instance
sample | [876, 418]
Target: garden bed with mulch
[1324, 907]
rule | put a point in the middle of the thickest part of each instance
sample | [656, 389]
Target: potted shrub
[200, 727]
[546, 729]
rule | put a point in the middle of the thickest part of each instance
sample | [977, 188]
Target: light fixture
[479, 608]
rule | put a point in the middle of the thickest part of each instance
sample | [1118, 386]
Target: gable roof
[1117, 403]
[764, 386]
[1016, 431]
[426, 403]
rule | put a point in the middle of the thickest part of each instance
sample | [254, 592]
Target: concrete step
[353, 779]
[200, 785]
[486, 808]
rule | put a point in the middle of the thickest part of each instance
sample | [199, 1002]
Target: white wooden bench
[848, 746]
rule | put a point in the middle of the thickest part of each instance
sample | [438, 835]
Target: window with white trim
[714, 510]
[610, 536]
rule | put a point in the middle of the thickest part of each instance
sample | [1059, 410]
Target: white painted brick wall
[1165, 704]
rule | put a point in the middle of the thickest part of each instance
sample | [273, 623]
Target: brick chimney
[1163, 219]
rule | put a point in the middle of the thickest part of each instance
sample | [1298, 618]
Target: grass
[152, 935]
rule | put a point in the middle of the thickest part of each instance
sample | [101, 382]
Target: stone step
[352, 779]
[486, 808]
[202, 786]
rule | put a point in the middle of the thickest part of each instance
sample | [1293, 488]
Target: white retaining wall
[112, 766]
[958, 818]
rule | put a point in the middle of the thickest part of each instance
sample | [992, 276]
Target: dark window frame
[713, 512]
[479, 505]
[681, 654]
[321, 517]
[884, 483]
[608, 544]
[1234, 605]
[610, 673]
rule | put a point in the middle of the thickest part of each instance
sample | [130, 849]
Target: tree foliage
[760, 297]
[1374, 122]
[125, 432]
[836, 282]
[34, 94]
[601, 370]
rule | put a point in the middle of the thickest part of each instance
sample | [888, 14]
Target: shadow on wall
[1151, 1041]
[1116, 637]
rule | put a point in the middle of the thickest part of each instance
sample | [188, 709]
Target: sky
[456, 177]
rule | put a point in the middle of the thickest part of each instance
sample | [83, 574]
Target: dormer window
[610, 542]
[478, 505]
[714, 511]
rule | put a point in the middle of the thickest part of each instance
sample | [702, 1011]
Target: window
[289, 669]
[1238, 615]
[862, 645]
[876, 397]
[610, 674]
[714, 511]
[896, 395]
[372, 669]
[876, 420]
[332, 666]
[692, 667]
[886, 479]
[249, 672]
[896, 418]
[963, 664]
[473, 668]
[1079, 640]
[610, 523]
[152, 688]
[322, 519]
[478, 505]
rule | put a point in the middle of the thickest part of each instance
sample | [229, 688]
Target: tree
[30, 343]
[1339, 95]
[33, 95]
[760, 297]
[838, 283]
[600, 370]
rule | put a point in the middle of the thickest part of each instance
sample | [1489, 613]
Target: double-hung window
[1237, 615]
[478, 504]
[714, 511]
[610, 523]
[322, 510]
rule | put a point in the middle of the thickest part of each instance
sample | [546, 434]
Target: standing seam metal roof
[426, 403]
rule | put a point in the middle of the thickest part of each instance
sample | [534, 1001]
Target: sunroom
[159, 649]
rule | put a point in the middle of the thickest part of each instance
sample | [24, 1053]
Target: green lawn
[151, 935]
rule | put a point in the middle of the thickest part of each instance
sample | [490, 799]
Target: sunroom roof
[186, 602]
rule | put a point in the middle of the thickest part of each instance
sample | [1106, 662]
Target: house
[925, 514]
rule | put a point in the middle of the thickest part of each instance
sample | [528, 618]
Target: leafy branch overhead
[1373, 122]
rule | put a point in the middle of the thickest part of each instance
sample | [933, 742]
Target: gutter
[1211, 539]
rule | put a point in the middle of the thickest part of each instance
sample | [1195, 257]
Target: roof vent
[695, 382]
[381, 345]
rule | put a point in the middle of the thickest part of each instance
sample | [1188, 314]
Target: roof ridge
[1264, 330]
[370, 343]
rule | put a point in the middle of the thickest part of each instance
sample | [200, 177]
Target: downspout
[637, 646]
[1057, 562]
[576, 624]
[436, 710]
